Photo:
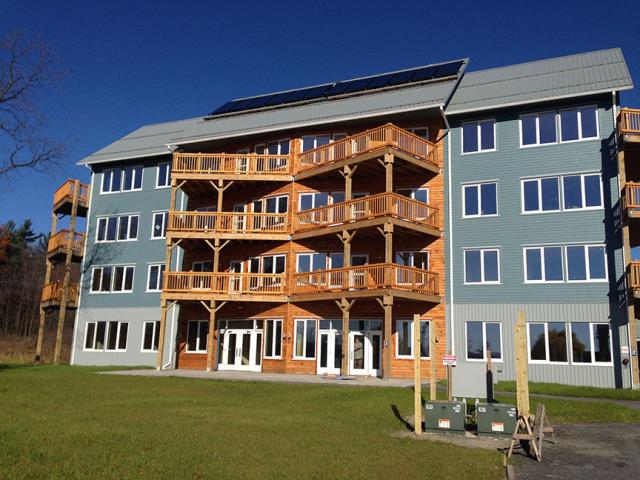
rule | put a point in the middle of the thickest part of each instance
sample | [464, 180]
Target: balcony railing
[631, 196]
[369, 207]
[366, 277]
[629, 121]
[385, 136]
[61, 241]
[224, 283]
[231, 163]
[52, 293]
[227, 222]
[67, 190]
[634, 274]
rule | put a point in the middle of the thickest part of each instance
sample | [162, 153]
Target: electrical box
[444, 416]
[496, 419]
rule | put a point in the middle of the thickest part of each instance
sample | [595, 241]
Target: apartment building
[300, 231]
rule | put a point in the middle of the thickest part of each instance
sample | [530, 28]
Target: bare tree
[27, 67]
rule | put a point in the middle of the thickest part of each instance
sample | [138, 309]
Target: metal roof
[555, 78]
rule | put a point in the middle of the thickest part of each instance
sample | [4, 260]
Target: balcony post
[345, 307]
[47, 279]
[163, 322]
[388, 172]
[387, 305]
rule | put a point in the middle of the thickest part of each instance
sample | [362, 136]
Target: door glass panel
[375, 339]
[337, 352]
[231, 349]
[246, 349]
[358, 352]
[324, 347]
[258, 348]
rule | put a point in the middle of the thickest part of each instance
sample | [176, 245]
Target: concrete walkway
[270, 377]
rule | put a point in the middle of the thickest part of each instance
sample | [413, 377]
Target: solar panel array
[422, 74]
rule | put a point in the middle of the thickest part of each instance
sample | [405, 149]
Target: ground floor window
[483, 337]
[197, 333]
[305, 339]
[106, 336]
[150, 336]
[404, 338]
[547, 342]
[273, 339]
[591, 343]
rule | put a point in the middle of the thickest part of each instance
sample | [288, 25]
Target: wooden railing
[227, 222]
[231, 163]
[386, 135]
[67, 190]
[366, 277]
[368, 207]
[224, 283]
[631, 195]
[52, 292]
[629, 121]
[634, 274]
[62, 239]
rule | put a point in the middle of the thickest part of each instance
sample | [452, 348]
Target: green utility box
[496, 419]
[444, 416]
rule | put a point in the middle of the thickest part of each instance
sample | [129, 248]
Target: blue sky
[135, 62]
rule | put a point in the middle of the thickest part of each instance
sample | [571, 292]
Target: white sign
[624, 350]
[497, 427]
[449, 360]
[444, 423]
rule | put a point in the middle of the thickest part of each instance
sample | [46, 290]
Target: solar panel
[448, 69]
[380, 81]
[277, 99]
[423, 74]
[339, 88]
[318, 92]
[222, 109]
[261, 101]
[358, 85]
[297, 95]
[401, 77]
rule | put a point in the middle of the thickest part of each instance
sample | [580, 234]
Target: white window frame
[537, 115]
[304, 344]
[583, 192]
[397, 342]
[93, 273]
[198, 350]
[113, 278]
[585, 247]
[546, 344]
[111, 190]
[201, 262]
[133, 180]
[579, 111]
[274, 339]
[413, 130]
[413, 192]
[482, 251]
[542, 266]
[480, 149]
[107, 330]
[165, 222]
[478, 185]
[155, 324]
[106, 218]
[538, 180]
[484, 343]
[167, 176]
[161, 267]
[593, 362]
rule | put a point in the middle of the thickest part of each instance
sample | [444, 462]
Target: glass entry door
[241, 348]
[330, 347]
[365, 353]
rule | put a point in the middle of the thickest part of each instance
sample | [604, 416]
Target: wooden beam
[433, 362]
[345, 307]
[47, 279]
[163, 322]
[417, 378]
[522, 368]
[211, 348]
[387, 305]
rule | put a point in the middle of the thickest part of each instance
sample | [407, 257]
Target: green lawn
[68, 422]
[573, 391]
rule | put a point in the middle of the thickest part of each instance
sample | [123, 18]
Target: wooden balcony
[634, 278]
[63, 198]
[367, 212]
[251, 287]
[366, 281]
[229, 225]
[629, 125]
[367, 145]
[52, 295]
[231, 166]
[59, 243]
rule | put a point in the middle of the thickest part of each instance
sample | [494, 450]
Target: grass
[68, 422]
[573, 391]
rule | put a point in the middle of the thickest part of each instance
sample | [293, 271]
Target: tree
[27, 67]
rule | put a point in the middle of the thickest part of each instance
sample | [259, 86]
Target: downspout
[173, 148]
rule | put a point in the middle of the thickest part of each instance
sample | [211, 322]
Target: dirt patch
[467, 439]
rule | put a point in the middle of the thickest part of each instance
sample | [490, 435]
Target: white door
[329, 351]
[364, 353]
[241, 350]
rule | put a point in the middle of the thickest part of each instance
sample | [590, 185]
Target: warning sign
[444, 423]
[497, 427]
[449, 360]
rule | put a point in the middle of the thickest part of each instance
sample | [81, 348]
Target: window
[311, 262]
[578, 124]
[482, 337]
[117, 228]
[422, 132]
[197, 332]
[313, 200]
[163, 178]
[480, 200]
[273, 339]
[586, 263]
[131, 178]
[109, 279]
[418, 194]
[582, 191]
[543, 264]
[203, 266]
[111, 180]
[305, 339]
[154, 277]
[538, 129]
[404, 338]
[150, 336]
[541, 195]
[106, 336]
[590, 343]
[160, 220]
[315, 141]
[481, 266]
[418, 259]
[478, 136]
[547, 342]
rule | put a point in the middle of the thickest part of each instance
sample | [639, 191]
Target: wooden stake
[434, 360]
[47, 279]
[417, 381]
[522, 372]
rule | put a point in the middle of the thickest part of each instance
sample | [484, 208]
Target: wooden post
[522, 372]
[387, 305]
[212, 351]
[47, 279]
[67, 272]
[434, 360]
[388, 172]
[163, 323]
[489, 377]
[417, 380]
[345, 306]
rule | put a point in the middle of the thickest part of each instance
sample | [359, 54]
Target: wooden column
[67, 272]
[347, 172]
[346, 239]
[387, 305]
[345, 307]
[433, 360]
[417, 379]
[387, 163]
[47, 279]
[212, 351]
[522, 367]
[163, 322]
